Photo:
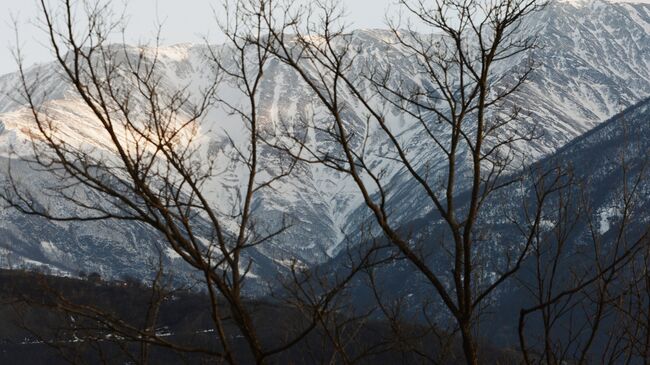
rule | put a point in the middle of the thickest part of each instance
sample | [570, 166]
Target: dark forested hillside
[56, 320]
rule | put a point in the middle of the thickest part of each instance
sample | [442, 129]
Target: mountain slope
[594, 61]
[607, 167]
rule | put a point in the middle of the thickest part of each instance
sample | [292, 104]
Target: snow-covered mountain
[604, 211]
[594, 62]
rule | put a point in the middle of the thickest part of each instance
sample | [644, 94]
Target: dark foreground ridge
[38, 326]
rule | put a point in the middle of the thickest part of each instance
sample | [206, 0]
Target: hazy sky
[183, 21]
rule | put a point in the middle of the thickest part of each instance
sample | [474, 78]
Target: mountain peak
[581, 3]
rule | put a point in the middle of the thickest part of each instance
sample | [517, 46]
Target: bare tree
[457, 88]
[584, 295]
[150, 168]
[468, 63]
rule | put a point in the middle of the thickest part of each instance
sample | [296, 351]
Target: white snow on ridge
[581, 3]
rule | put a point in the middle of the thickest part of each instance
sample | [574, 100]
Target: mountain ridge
[565, 103]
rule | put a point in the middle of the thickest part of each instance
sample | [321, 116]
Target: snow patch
[605, 216]
[50, 250]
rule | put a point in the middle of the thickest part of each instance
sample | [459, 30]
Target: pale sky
[183, 21]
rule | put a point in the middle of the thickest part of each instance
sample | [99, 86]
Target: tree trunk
[469, 345]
